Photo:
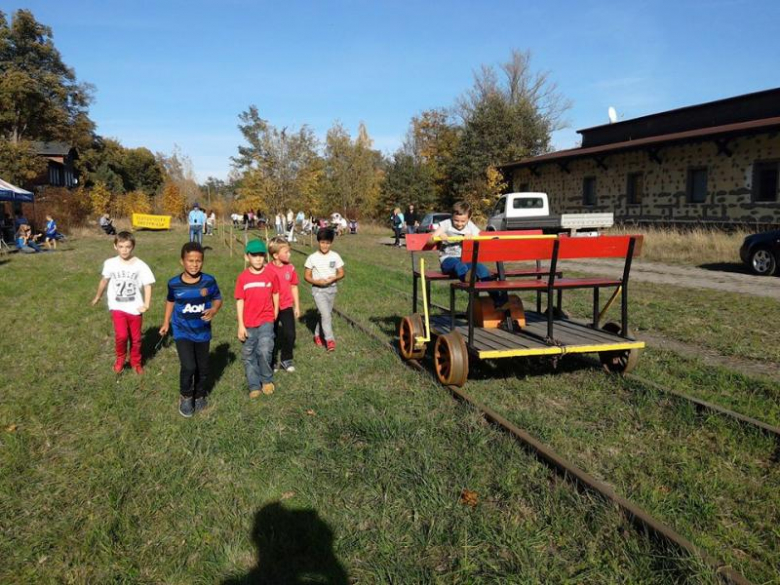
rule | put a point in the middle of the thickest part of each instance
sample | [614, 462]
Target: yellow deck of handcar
[573, 336]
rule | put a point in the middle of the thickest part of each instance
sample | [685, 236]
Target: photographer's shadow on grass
[293, 547]
[310, 319]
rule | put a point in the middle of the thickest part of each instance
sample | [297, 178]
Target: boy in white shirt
[126, 276]
[323, 270]
[461, 226]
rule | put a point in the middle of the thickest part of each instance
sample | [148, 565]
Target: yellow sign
[152, 222]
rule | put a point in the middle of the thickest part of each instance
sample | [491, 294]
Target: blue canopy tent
[9, 192]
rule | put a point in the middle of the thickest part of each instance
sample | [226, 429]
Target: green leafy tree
[40, 98]
[279, 168]
[408, 180]
[507, 114]
[432, 141]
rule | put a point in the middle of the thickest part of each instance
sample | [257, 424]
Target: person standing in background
[196, 220]
[412, 220]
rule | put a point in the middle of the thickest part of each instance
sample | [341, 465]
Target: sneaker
[318, 341]
[269, 388]
[139, 370]
[255, 393]
[119, 365]
[288, 366]
[201, 403]
[277, 367]
[186, 408]
[331, 345]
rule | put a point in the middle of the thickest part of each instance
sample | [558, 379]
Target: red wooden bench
[552, 250]
[416, 243]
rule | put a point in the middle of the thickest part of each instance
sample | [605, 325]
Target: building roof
[724, 131]
[52, 148]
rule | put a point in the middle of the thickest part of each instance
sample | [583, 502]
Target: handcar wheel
[763, 262]
[620, 361]
[409, 330]
[451, 359]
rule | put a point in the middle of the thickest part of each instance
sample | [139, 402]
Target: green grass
[356, 465]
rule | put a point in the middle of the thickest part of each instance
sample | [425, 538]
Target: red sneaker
[331, 345]
[139, 370]
[119, 365]
[318, 341]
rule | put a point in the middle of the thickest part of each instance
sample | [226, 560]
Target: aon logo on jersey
[189, 308]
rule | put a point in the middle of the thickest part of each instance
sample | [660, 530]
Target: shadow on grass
[735, 267]
[310, 319]
[388, 325]
[293, 546]
[151, 343]
[219, 359]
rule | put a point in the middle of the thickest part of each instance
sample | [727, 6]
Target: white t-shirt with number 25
[126, 281]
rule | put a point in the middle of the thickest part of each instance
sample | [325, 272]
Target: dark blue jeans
[456, 267]
[258, 353]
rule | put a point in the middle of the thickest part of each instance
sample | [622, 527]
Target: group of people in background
[267, 307]
[408, 221]
[27, 240]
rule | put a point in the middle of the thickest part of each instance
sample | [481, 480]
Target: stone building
[712, 163]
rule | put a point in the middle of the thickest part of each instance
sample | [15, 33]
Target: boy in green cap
[257, 306]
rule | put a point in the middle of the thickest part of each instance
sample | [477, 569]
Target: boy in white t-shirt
[126, 276]
[460, 226]
[323, 270]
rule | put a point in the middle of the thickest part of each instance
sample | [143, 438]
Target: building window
[765, 181]
[697, 185]
[635, 188]
[589, 191]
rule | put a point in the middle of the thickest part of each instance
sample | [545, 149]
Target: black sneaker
[186, 408]
[201, 403]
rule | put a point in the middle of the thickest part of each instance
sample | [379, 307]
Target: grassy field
[353, 471]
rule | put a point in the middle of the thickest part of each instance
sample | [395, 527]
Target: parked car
[431, 221]
[761, 252]
[531, 211]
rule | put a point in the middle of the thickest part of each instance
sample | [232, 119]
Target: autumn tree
[19, 163]
[280, 168]
[173, 202]
[353, 172]
[432, 140]
[100, 199]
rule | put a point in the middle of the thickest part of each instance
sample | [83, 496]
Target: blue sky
[180, 72]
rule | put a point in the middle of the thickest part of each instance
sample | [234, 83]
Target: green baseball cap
[256, 247]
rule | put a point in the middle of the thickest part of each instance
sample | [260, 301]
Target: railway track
[698, 403]
[640, 518]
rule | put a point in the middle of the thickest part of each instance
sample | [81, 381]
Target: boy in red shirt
[289, 303]
[257, 306]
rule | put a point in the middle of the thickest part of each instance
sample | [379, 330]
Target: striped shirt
[324, 265]
[190, 301]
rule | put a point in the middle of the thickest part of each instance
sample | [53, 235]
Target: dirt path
[687, 276]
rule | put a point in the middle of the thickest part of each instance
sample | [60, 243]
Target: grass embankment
[716, 482]
[355, 466]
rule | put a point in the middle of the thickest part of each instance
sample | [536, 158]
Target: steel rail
[700, 404]
[567, 470]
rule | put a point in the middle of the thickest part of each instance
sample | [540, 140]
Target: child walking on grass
[323, 270]
[129, 281]
[193, 302]
[289, 303]
[257, 307]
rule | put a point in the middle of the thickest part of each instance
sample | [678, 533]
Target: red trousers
[127, 326]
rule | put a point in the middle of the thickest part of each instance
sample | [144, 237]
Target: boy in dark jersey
[257, 307]
[193, 301]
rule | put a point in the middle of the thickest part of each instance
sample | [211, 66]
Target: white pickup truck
[531, 211]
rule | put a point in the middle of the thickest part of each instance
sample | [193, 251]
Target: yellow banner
[152, 222]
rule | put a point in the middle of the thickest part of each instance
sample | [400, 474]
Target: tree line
[449, 152]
